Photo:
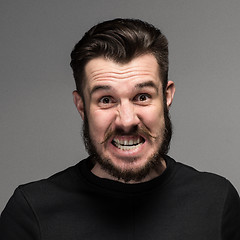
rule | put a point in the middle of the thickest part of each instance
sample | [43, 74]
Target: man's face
[124, 109]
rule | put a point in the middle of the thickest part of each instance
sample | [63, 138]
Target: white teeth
[127, 142]
[127, 148]
[136, 141]
[126, 145]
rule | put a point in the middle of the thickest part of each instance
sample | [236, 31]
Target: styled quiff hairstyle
[120, 40]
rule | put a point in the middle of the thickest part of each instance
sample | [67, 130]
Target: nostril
[126, 117]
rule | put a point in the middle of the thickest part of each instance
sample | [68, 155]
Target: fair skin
[123, 96]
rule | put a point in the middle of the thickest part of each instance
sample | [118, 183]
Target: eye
[143, 97]
[106, 101]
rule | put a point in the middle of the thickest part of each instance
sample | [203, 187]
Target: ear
[170, 90]
[78, 101]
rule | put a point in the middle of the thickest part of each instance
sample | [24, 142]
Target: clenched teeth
[128, 144]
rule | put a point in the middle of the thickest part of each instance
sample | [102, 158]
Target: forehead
[104, 70]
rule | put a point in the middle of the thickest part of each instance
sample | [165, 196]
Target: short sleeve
[231, 215]
[18, 220]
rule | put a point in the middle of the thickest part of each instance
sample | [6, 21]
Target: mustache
[135, 131]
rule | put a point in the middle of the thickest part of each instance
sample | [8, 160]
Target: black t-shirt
[75, 204]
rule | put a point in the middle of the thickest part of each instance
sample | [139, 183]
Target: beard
[154, 161]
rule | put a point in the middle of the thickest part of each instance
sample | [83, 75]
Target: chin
[129, 169]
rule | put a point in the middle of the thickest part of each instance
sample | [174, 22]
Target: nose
[127, 118]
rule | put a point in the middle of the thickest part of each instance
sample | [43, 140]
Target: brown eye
[143, 97]
[105, 100]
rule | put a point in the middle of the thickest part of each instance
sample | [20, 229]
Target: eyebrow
[100, 87]
[137, 86]
[147, 84]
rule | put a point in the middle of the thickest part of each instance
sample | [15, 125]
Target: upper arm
[18, 220]
[231, 215]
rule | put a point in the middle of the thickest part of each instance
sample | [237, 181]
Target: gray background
[40, 128]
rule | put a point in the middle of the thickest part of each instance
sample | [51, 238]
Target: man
[128, 188]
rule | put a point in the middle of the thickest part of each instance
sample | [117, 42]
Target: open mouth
[128, 144]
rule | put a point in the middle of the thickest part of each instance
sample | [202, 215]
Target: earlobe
[78, 101]
[170, 90]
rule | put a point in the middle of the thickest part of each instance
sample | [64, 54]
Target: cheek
[153, 118]
[99, 122]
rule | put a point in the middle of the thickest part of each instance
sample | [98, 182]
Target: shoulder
[52, 189]
[209, 184]
[46, 192]
[57, 183]
[209, 194]
[189, 173]
[31, 201]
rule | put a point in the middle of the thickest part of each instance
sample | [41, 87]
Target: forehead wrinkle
[103, 74]
[107, 77]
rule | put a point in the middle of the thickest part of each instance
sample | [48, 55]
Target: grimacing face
[124, 112]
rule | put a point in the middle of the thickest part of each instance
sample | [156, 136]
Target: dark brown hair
[119, 40]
